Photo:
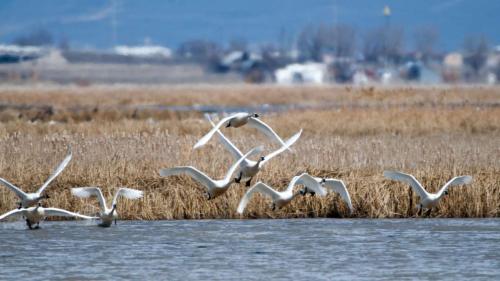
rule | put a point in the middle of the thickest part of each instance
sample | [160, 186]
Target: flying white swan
[106, 214]
[238, 120]
[214, 187]
[31, 199]
[427, 200]
[249, 168]
[36, 214]
[282, 198]
[334, 185]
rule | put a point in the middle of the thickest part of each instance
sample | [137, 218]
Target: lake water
[299, 249]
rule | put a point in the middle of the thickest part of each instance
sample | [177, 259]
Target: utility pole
[114, 22]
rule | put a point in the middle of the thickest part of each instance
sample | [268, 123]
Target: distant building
[143, 51]
[453, 64]
[307, 73]
[15, 54]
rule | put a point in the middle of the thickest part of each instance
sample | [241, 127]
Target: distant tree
[38, 37]
[199, 50]
[426, 38]
[238, 44]
[315, 41]
[342, 41]
[310, 44]
[384, 44]
[476, 49]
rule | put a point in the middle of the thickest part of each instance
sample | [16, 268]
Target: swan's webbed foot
[247, 184]
[28, 223]
[273, 207]
[208, 196]
[428, 213]
[238, 179]
[312, 193]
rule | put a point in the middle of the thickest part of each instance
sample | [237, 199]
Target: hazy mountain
[99, 23]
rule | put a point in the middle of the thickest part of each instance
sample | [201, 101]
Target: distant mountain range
[104, 23]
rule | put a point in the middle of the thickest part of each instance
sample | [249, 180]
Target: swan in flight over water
[249, 168]
[215, 188]
[427, 200]
[32, 199]
[34, 215]
[282, 198]
[107, 215]
[334, 185]
[237, 120]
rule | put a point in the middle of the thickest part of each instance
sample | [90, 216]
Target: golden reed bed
[433, 133]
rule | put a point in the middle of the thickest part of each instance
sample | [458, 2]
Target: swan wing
[63, 213]
[308, 181]
[237, 163]
[57, 171]
[12, 213]
[288, 143]
[409, 179]
[258, 187]
[265, 129]
[21, 194]
[226, 142]
[455, 181]
[128, 193]
[339, 187]
[191, 171]
[209, 135]
[86, 192]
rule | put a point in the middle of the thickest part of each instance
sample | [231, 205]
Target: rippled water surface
[309, 249]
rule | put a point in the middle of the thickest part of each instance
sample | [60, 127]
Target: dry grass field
[433, 133]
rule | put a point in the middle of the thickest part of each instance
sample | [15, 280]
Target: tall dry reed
[355, 145]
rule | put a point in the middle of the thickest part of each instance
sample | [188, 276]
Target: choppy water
[306, 249]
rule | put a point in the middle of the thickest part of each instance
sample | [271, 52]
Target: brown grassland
[433, 133]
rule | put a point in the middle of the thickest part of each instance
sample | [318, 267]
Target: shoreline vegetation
[418, 130]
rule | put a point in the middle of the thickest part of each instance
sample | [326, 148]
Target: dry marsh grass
[354, 145]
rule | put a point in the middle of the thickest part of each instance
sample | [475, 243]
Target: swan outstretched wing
[258, 187]
[21, 194]
[226, 142]
[308, 181]
[455, 181]
[63, 213]
[86, 192]
[339, 187]
[128, 193]
[209, 135]
[57, 171]
[265, 129]
[288, 143]
[12, 213]
[411, 180]
[198, 175]
[235, 166]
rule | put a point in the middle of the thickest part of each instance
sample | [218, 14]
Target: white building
[307, 73]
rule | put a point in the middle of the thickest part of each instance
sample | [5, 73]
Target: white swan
[334, 185]
[238, 120]
[282, 198]
[107, 215]
[249, 168]
[215, 188]
[36, 214]
[427, 200]
[31, 199]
